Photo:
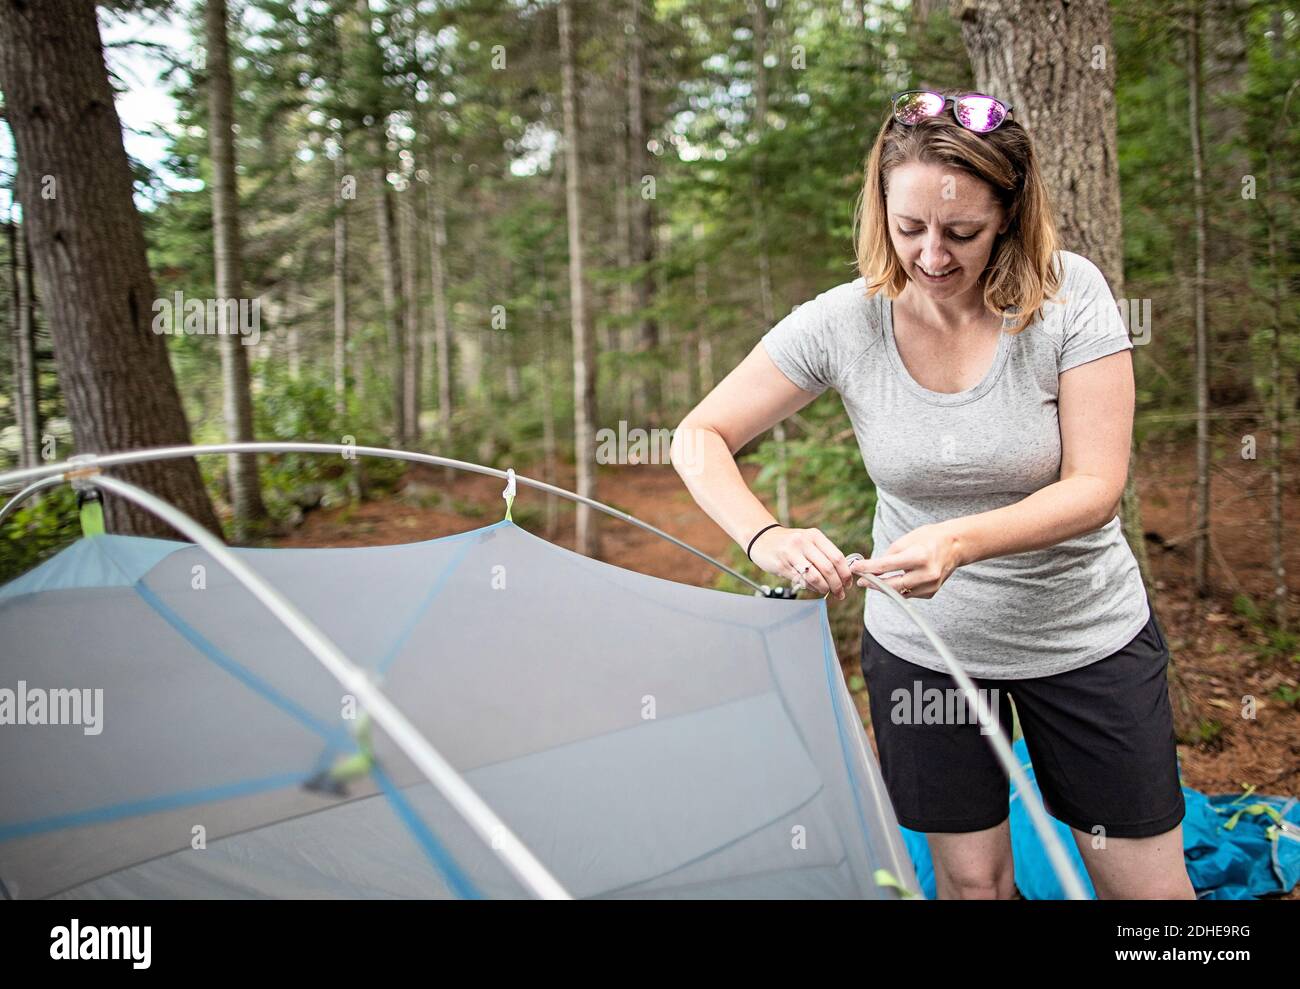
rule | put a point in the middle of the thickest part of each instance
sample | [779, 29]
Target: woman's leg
[975, 865]
[1102, 743]
[1137, 868]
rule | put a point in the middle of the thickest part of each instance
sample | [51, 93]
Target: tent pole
[13, 478]
[491, 829]
[12, 504]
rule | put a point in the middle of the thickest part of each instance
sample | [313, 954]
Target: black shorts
[1101, 739]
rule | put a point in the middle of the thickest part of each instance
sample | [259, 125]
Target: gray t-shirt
[935, 456]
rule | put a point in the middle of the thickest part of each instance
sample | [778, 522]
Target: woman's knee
[976, 886]
[974, 866]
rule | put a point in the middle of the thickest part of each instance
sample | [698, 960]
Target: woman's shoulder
[849, 306]
[1076, 270]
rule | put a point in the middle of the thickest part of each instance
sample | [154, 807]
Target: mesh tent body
[643, 738]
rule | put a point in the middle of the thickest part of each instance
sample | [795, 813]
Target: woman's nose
[933, 254]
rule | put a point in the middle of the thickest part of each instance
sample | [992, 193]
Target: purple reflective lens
[974, 111]
[911, 107]
[979, 113]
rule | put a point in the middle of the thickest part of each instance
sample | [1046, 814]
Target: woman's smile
[946, 275]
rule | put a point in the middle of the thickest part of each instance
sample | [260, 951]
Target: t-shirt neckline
[939, 397]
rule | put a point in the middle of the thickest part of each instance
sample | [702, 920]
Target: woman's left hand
[929, 555]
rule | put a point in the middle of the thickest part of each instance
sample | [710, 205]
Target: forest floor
[1217, 653]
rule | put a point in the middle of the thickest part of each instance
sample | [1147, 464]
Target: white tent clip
[509, 492]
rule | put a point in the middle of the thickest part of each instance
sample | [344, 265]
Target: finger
[879, 565]
[800, 570]
[891, 577]
[837, 560]
[909, 585]
[806, 573]
[829, 582]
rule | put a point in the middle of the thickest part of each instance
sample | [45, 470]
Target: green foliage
[1277, 643]
[1206, 732]
[38, 530]
[1288, 694]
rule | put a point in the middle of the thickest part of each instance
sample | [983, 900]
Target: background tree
[245, 486]
[88, 252]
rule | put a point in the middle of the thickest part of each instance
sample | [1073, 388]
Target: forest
[534, 234]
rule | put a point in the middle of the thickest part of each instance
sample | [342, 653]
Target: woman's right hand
[795, 554]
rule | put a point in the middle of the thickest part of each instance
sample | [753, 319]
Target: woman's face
[942, 221]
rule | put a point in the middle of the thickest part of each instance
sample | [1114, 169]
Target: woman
[988, 378]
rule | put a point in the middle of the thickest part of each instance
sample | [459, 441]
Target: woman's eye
[913, 233]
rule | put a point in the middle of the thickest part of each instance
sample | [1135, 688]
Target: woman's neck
[954, 314]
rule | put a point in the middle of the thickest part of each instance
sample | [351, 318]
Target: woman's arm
[750, 400]
[1095, 409]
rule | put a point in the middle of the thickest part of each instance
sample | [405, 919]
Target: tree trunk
[245, 487]
[393, 320]
[1278, 407]
[587, 539]
[441, 323]
[760, 231]
[705, 346]
[88, 251]
[377, 138]
[1201, 544]
[340, 285]
[550, 456]
[1228, 250]
[642, 228]
[410, 272]
[1278, 415]
[26, 374]
[618, 333]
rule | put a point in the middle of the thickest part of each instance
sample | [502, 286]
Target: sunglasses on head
[974, 111]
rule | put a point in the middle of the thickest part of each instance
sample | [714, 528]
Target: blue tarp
[1238, 847]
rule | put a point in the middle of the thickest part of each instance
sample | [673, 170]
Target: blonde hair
[1020, 274]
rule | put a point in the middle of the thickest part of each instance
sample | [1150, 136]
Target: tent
[522, 720]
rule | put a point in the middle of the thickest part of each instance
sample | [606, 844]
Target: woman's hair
[1020, 275]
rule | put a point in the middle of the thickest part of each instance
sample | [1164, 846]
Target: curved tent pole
[87, 461]
[491, 829]
[12, 504]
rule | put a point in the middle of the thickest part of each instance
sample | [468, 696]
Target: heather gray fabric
[643, 738]
[935, 456]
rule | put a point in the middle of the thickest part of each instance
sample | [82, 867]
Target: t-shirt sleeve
[800, 346]
[1093, 327]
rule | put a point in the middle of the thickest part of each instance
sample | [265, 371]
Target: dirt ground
[1215, 650]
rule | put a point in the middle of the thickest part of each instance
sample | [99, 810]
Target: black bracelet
[774, 525]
